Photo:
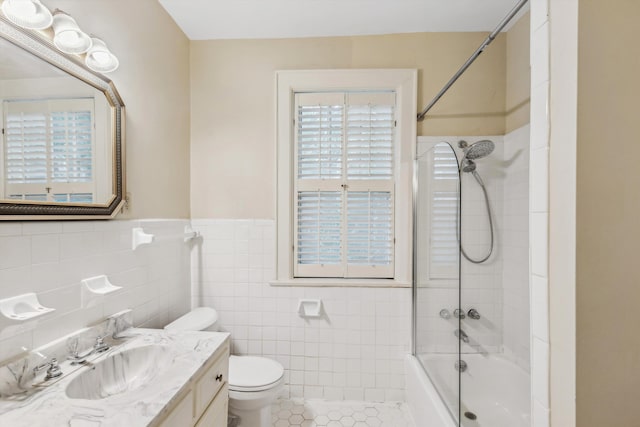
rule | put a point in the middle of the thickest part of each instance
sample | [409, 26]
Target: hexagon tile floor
[316, 413]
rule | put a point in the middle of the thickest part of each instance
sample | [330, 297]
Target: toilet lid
[251, 373]
[197, 319]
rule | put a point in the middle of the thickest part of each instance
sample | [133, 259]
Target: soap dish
[23, 307]
[96, 287]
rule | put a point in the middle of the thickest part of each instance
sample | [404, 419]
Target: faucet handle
[53, 369]
[473, 314]
[100, 345]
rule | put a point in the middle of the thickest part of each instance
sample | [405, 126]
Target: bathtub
[493, 388]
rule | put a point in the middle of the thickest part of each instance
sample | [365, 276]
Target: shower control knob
[473, 314]
[459, 313]
[444, 313]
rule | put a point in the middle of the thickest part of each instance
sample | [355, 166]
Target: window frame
[404, 83]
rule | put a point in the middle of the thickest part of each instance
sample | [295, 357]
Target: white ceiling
[243, 19]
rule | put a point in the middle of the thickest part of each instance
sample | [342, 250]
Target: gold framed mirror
[62, 146]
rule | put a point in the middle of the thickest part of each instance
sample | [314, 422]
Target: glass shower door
[437, 269]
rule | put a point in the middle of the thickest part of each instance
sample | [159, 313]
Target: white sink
[120, 373]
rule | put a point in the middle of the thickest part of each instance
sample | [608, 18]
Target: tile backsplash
[354, 351]
[51, 258]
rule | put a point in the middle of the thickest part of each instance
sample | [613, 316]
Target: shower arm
[473, 57]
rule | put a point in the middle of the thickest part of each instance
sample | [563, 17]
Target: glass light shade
[100, 59]
[29, 14]
[69, 38]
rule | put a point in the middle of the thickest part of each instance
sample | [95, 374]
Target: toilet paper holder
[310, 307]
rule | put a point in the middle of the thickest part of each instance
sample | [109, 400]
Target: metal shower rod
[473, 57]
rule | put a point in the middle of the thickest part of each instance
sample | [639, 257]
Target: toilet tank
[198, 319]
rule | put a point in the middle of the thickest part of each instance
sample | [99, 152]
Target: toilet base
[253, 418]
[253, 409]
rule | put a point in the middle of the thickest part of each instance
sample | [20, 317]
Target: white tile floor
[313, 413]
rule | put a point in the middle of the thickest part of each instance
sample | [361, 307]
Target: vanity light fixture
[69, 38]
[99, 58]
[29, 14]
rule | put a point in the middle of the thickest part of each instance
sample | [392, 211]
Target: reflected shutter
[49, 150]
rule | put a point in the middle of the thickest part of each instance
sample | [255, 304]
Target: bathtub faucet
[461, 335]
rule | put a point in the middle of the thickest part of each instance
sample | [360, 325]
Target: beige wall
[153, 80]
[608, 202]
[233, 104]
[518, 92]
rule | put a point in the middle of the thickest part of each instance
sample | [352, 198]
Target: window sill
[346, 283]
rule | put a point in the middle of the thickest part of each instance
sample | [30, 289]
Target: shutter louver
[320, 141]
[370, 228]
[71, 147]
[26, 148]
[370, 141]
[444, 213]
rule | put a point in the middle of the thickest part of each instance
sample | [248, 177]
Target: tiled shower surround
[498, 288]
[51, 258]
[354, 352]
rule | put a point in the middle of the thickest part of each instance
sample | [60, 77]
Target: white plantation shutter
[344, 187]
[26, 148]
[443, 196]
[49, 150]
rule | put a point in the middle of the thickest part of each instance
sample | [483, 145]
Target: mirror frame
[39, 44]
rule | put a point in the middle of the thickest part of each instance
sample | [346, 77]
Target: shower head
[468, 165]
[478, 150]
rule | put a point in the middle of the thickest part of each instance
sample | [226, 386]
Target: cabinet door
[208, 386]
[182, 414]
[216, 414]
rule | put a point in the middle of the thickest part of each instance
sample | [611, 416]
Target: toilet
[254, 382]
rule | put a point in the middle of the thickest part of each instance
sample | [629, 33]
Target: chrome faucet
[461, 335]
[98, 347]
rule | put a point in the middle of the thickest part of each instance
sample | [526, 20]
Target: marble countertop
[49, 406]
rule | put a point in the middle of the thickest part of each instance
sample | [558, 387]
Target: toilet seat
[253, 374]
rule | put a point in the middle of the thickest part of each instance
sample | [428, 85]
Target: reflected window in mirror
[49, 150]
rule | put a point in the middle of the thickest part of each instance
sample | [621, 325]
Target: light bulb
[24, 8]
[29, 14]
[69, 38]
[101, 57]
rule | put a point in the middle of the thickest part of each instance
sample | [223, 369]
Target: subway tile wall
[51, 258]
[354, 352]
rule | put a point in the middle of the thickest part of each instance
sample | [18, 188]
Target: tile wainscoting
[354, 352]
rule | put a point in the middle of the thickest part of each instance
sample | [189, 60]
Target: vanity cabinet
[205, 402]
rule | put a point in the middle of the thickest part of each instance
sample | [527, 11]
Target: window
[344, 184]
[48, 150]
[346, 140]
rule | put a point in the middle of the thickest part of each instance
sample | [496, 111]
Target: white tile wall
[539, 210]
[481, 283]
[354, 352]
[51, 258]
[515, 246]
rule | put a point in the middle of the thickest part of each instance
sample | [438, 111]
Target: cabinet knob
[219, 378]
